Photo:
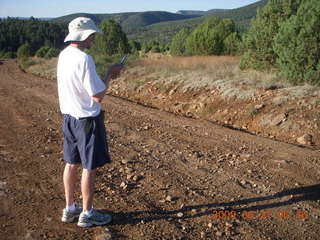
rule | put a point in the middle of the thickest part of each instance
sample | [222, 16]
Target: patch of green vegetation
[26, 63]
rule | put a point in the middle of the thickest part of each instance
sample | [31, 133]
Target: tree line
[284, 36]
[32, 32]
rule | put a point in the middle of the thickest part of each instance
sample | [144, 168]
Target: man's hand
[115, 70]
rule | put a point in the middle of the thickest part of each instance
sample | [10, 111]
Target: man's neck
[77, 45]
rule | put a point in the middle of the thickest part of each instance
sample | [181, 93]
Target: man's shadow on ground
[298, 194]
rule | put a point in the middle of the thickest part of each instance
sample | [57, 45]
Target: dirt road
[171, 177]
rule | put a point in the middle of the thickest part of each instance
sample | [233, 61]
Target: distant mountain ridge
[161, 25]
[196, 12]
[129, 19]
[164, 31]
[191, 12]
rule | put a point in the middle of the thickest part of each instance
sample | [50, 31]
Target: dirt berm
[219, 92]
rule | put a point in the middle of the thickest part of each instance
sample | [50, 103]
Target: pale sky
[57, 8]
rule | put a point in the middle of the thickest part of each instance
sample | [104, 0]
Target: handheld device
[121, 63]
[123, 59]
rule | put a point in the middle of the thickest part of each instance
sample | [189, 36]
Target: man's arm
[99, 96]
[114, 72]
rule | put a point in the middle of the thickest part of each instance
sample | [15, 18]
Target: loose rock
[305, 139]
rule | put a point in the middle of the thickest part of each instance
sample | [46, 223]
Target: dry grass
[190, 63]
[194, 73]
[198, 72]
[45, 67]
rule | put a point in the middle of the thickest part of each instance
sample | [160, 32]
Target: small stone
[123, 184]
[104, 236]
[219, 234]
[259, 107]
[228, 225]
[305, 139]
[125, 161]
[210, 225]
[243, 182]
[135, 178]
[2, 184]
[180, 214]
[279, 119]
[168, 198]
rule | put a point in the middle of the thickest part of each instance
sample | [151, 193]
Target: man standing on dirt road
[81, 92]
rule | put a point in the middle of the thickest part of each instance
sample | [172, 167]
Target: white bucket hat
[80, 29]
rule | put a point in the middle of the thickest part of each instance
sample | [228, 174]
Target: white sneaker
[69, 216]
[96, 218]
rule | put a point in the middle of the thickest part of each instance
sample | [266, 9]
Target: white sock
[71, 208]
[88, 213]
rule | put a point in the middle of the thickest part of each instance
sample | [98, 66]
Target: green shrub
[42, 51]
[232, 44]
[146, 47]
[8, 55]
[208, 38]
[297, 45]
[26, 63]
[156, 49]
[24, 51]
[134, 46]
[112, 40]
[258, 42]
[152, 46]
[178, 43]
[52, 52]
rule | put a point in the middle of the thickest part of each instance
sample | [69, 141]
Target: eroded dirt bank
[290, 114]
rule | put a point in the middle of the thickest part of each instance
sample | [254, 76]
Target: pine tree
[258, 42]
[178, 43]
[112, 41]
[297, 45]
[134, 46]
[24, 51]
[208, 38]
[232, 44]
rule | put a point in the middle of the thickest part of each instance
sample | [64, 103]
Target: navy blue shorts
[85, 141]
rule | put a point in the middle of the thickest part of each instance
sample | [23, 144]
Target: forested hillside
[34, 32]
[164, 31]
[278, 28]
[162, 26]
[129, 20]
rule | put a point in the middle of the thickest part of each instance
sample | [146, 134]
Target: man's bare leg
[87, 188]
[69, 180]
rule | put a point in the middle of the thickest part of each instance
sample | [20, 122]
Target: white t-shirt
[78, 81]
